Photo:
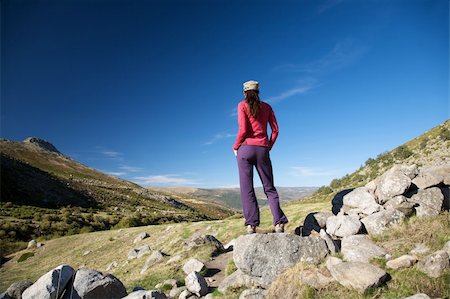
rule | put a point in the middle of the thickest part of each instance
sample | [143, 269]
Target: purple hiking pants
[258, 156]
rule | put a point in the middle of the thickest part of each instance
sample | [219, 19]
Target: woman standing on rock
[252, 148]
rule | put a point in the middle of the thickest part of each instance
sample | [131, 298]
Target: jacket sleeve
[242, 124]
[274, 126]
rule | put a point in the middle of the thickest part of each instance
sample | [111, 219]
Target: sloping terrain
[44, 193]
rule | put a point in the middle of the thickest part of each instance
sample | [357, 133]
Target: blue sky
[147, 90]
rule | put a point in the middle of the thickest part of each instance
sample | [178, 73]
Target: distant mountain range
[231, 196]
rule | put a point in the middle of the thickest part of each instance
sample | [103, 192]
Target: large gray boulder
[356, 275]
[402, 204]
[196, 284]
[428, 177]
[16, 290]
[362, 198]
[377, 223]
[343, 225]
[358, 248]
[90, 283]
[239, 279]
[434, 264]
[142, 294]
[267, 255]
[138, 252]
[153, 259]
[430, 201]
[193, 264]
[395, 181]
[140, 237]
[50, 285]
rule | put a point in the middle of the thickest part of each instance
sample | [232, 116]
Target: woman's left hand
[235, 152]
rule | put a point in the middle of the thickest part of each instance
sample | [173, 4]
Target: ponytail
[252, 99]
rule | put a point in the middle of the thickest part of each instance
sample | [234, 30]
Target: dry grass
[288, 285]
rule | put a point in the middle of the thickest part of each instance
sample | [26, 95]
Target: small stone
[418, 296]
[196, 284]
[154, 258]
[253, 294]
[143, 294]
[138, 252]
[404, 261]
[141, 237]
[174, 259]
[32, 244]
[193, 265]
[434, 264]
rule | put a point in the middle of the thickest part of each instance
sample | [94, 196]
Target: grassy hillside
[45, 194]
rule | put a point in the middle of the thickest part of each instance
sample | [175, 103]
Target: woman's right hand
[235, 152]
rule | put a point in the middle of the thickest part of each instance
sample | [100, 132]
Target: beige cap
[251, 85]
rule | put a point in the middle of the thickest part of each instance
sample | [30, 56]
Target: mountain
[231, 196]
[45, 193]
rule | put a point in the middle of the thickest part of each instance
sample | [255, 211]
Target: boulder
[16, 289]
[138, 252]
[427, 177]
[193, 265]
[90, 283]
[239, 279]
[51, 284]
[395, 181]
[267, 255]
[430, 201]
[143, 294]
[332, 246]
[202, 240]
[401, 204]
[404, 261]
[357, 275]
[321, 218]
[253, 294]
[315, 279]
[342, 225]
[32, 244]
[434, 264]
[377, 223]
[175, 292]
[111, 265]
[196, 284]
[141, 237]
[362, 198]
[154, 258]
[358, 248]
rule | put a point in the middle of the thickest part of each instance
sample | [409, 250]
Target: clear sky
[148, 90]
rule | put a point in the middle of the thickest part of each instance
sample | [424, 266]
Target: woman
[252, 148]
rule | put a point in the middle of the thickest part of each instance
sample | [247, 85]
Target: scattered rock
[202, 240]
[253, 294]
[113, 264]
[140, 237]
[51, 284]
[32, 244]
[239, 279]
[39, 244]
[404, 261]
[430, 201]
[332, 246]
[342, 225]
[357, 275]
[377, 223]
[154, 258]
[16, 289]
[138, 252]
[196, 284]
[90, 283]
[314, 278]
[359, 248]
[185, 295]
[434, 264]
[193, 265]
[230, 245]
[174, 259]
[86, 252]
[142, 294]
[267, 255]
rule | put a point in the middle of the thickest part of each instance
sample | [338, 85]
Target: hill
[47, 194]
[231, 196]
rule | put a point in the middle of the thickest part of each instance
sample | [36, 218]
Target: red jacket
[253, 131]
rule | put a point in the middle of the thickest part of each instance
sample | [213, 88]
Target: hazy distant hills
[231, 196]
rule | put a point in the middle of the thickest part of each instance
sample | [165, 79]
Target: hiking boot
[251, 229]
[279, 228]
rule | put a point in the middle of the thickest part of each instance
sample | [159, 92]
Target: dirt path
[216, 269]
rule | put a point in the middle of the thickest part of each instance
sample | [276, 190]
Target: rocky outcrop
[141, 237]
[41, 144]
[267, 255]
[51, 284]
